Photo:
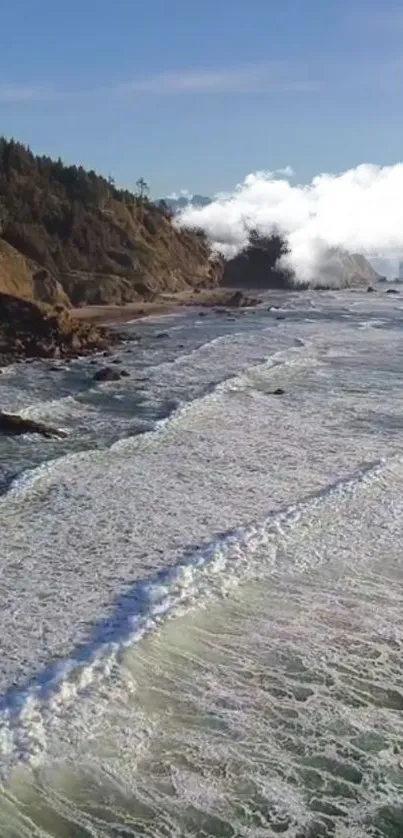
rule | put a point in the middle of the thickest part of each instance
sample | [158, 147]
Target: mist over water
[201, 613]
[359, 210]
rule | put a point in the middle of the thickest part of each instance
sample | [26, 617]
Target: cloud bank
[360, 211]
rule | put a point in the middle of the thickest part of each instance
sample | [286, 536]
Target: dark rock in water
[240, 300]
[202, 314]
[124, 374]
[13, 425]
[280, 317]
[278, 392]
[115, 361]
[370, 289]
[107, 374]
[392, 291]
[162, 335]
[235, 300]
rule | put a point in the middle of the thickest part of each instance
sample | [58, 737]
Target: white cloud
[273, 78]
[228, 80]
[183, 193]
[287, 171]
[360, 210]
[286, 78]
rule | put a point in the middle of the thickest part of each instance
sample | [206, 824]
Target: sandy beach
[105, 315]
[165, 304]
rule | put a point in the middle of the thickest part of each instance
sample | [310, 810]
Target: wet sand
[166, 304]
[105, 315]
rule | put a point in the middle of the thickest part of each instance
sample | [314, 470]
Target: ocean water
[201, 598]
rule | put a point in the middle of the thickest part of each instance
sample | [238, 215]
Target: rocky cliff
[23, 278]
[73, 236]
[346, 270]
[32, 330]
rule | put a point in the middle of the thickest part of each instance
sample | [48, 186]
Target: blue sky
[197, 94]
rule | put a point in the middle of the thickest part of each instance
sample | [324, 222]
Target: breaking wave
[301, 353]
[26, 712]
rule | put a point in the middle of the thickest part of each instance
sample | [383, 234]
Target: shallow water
[201, 592]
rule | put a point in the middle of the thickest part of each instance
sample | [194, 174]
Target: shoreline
[110, 315]
[72, 332]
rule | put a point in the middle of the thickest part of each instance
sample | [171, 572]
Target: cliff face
[346, 270]
[15, 275]
[22, 278]
[86, 239]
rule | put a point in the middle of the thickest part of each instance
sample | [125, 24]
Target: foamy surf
[261, 710]
[26, 713]
[70, 408]
[229, 656]
[95, 509]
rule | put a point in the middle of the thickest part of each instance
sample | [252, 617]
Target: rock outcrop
[47, 289]
[13, 425]
[15, 274]
[22, 277]
[240, 300]
[109, 374]
[345, 270]
[30, 330]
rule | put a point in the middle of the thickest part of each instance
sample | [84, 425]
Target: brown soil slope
[22, 278]
[103, 244]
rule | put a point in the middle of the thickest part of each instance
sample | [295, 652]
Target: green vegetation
[103, 244]
[258, 265]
